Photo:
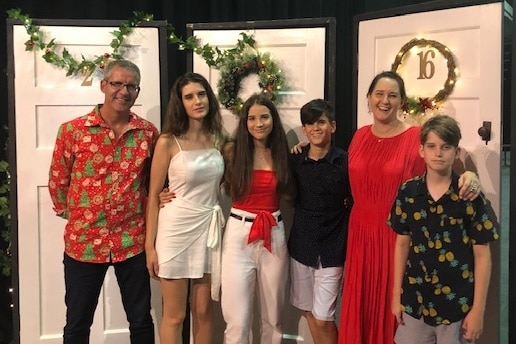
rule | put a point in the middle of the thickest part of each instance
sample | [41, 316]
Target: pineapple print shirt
[438, 283]
[98, 183]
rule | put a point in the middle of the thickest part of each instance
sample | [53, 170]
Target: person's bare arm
[473, 323]
[401, 251]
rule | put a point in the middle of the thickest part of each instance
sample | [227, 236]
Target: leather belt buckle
[251, 219]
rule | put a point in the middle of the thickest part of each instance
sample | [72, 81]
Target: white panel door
[44, 98]
[300, 53]
[473, 35]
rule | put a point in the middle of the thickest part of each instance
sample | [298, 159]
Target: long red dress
[377, 168]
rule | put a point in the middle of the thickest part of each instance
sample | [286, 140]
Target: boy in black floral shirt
[442, 260]
[317, 241]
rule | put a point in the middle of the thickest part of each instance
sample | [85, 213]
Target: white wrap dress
[189, 228]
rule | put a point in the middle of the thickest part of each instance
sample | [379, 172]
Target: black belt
[251, 219]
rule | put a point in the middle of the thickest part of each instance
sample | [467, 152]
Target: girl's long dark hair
[239, 166]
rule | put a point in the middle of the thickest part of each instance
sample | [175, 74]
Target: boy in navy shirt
[442, 260]
[317, 241]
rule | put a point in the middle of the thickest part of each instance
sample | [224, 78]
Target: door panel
[300, 53]
[473, 35]
[44, 98]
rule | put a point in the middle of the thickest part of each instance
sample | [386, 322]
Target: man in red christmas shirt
[97, 182]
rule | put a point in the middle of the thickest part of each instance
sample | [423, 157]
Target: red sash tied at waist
[261, 229]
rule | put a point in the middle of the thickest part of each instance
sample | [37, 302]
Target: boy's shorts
[315, 290]
[417, 331]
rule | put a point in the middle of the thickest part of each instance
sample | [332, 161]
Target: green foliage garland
[235, 64]
[5, 215]
[212, 55]
[65, 60]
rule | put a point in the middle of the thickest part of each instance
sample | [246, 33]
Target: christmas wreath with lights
[416, 106]
[239, 66]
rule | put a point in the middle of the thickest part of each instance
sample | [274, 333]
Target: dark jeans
[83, 283]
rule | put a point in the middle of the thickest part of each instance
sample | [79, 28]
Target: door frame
[512, 188]
[11, 113]
[329, 26]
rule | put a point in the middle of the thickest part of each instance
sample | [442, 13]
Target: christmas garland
[212, 55]
[235, 69]
[235, 64]
[416, 107]
[65, 60]
[5, 218]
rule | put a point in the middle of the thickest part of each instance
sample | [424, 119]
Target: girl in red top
[254, 252]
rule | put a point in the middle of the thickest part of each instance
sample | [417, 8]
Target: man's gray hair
[125, 64]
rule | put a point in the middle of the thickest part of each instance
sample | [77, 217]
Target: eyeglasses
[117, 85]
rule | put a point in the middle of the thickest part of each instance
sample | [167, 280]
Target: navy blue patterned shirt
[439, 283]
[321, 210]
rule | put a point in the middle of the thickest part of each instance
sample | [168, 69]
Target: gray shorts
[417, 331]
[315, 290]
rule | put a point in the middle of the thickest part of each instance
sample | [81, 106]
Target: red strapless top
[261, 200]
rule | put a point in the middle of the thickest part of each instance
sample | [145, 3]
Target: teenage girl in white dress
[183, 238]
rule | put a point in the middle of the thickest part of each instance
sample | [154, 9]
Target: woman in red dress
[381, 157]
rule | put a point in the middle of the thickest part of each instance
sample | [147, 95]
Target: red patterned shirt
[98, 183]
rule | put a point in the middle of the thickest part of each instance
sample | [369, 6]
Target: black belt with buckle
[251, 219]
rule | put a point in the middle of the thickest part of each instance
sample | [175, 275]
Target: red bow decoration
[261, 229]
[426, 103]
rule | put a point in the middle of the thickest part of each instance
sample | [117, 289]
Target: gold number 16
[425, 64]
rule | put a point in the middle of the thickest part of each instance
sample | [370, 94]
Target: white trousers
[247, 268]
